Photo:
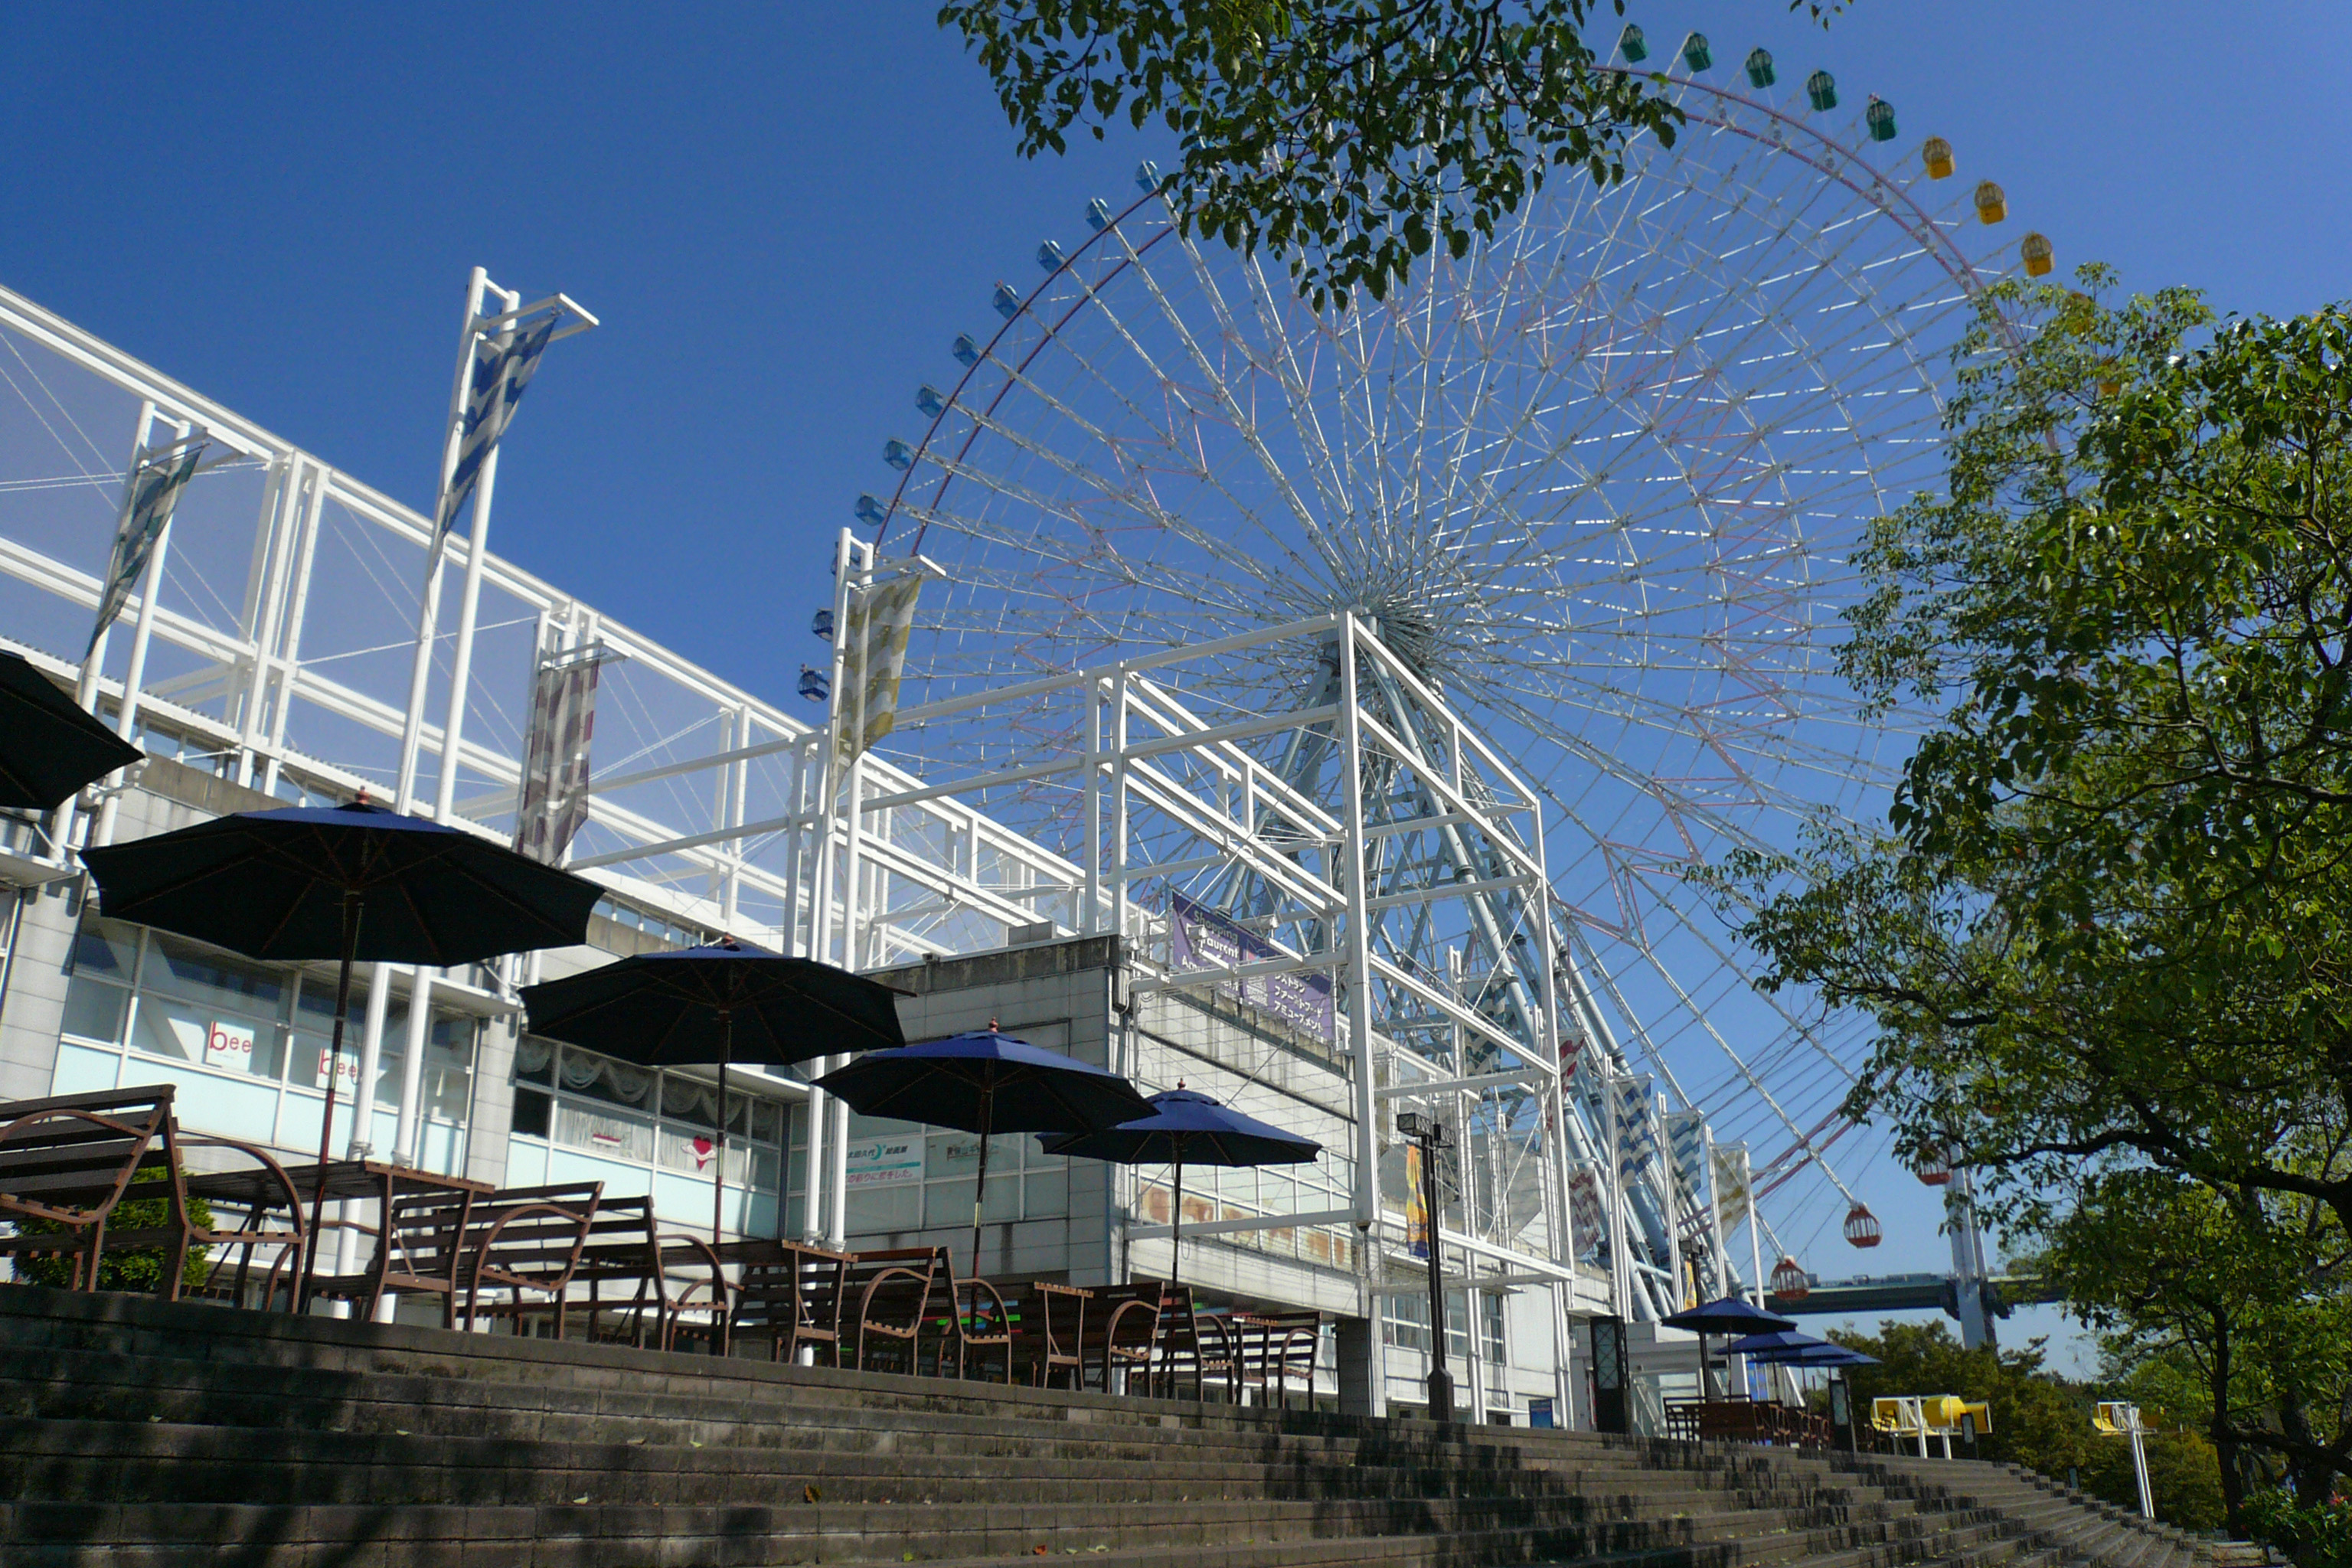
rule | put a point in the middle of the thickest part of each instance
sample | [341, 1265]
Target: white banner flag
[1730, 1185]
[873, 654]
[555, 758]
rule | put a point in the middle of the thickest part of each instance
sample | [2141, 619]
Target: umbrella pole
[352, 902]
[979, 1187]
[1176, 1220]
[718, 1146]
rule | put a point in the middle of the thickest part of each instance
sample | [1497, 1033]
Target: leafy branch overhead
[1349, 136]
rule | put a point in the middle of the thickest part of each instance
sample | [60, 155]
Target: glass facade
[1404, 1323]
[248, 1044]
[904, 1176]
[639, 1129]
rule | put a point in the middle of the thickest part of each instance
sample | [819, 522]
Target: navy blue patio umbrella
[346, 882]
[1728, 1315]
[722, 1004]
[986, 1082]
[48, 746]
[1782, 1346]
[1187, 1126]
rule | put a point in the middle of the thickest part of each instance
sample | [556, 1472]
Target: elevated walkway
[139, 1435]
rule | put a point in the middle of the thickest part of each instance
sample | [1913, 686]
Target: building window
[159, 998]
[902, 1176]
[646, 1117]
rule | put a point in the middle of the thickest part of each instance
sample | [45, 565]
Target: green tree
[2236, 1304]
[2104, 934]
[1350, 136]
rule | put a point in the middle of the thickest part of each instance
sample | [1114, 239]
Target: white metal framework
[274, 641]
[1593, 487]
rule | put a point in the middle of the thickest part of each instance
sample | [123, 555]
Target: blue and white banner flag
[873, 657]
[149, 493]
[1637, 1128]
[502, 368]
[1686, 1151]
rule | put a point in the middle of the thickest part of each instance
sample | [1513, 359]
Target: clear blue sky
[784, 213]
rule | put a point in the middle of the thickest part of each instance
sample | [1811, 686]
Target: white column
[1090, 910]
[836, 1194]
[1359, 988]
[1118, 816]
[283, 510]
[823, 1146]
[298, 606]
[1620, 1261]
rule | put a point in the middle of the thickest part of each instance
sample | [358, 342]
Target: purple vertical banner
[1203, 937]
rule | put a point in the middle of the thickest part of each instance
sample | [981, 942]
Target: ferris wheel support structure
[1558, 539]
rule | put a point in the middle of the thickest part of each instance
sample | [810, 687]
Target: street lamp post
[1430, 1134]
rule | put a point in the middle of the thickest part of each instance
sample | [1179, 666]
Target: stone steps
[138, 1461]
[146, 1435]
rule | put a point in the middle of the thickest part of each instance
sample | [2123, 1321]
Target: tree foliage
[131, 1269]
[2109, 915]
[1350, 136]
[2104, 934]
[2236, 1305]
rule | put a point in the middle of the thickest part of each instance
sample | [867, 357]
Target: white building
[267, 657]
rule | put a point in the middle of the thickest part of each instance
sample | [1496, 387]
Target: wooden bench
[788, 1295]
[69, 1162]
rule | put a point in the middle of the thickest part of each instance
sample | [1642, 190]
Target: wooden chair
[420, 1249]
[978, 1324]
[667, 1274]
[1122, 1335]
[887, 1295]
[527, 1239]
[263, 1195]
[1192, 1342]
[70, 1160]
[281, 1274]
[1050, 1322]
[790, 1296]
[1278, 1346]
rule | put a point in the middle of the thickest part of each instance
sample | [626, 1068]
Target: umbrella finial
[992, 1026]
[363, 797]
[1180, 1083]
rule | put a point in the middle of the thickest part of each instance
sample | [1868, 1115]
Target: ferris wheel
[1599, 482]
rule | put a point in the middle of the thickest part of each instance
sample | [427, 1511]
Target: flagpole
[445, 787]
[94, 662]
[816, 1181]
[836, 1208]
